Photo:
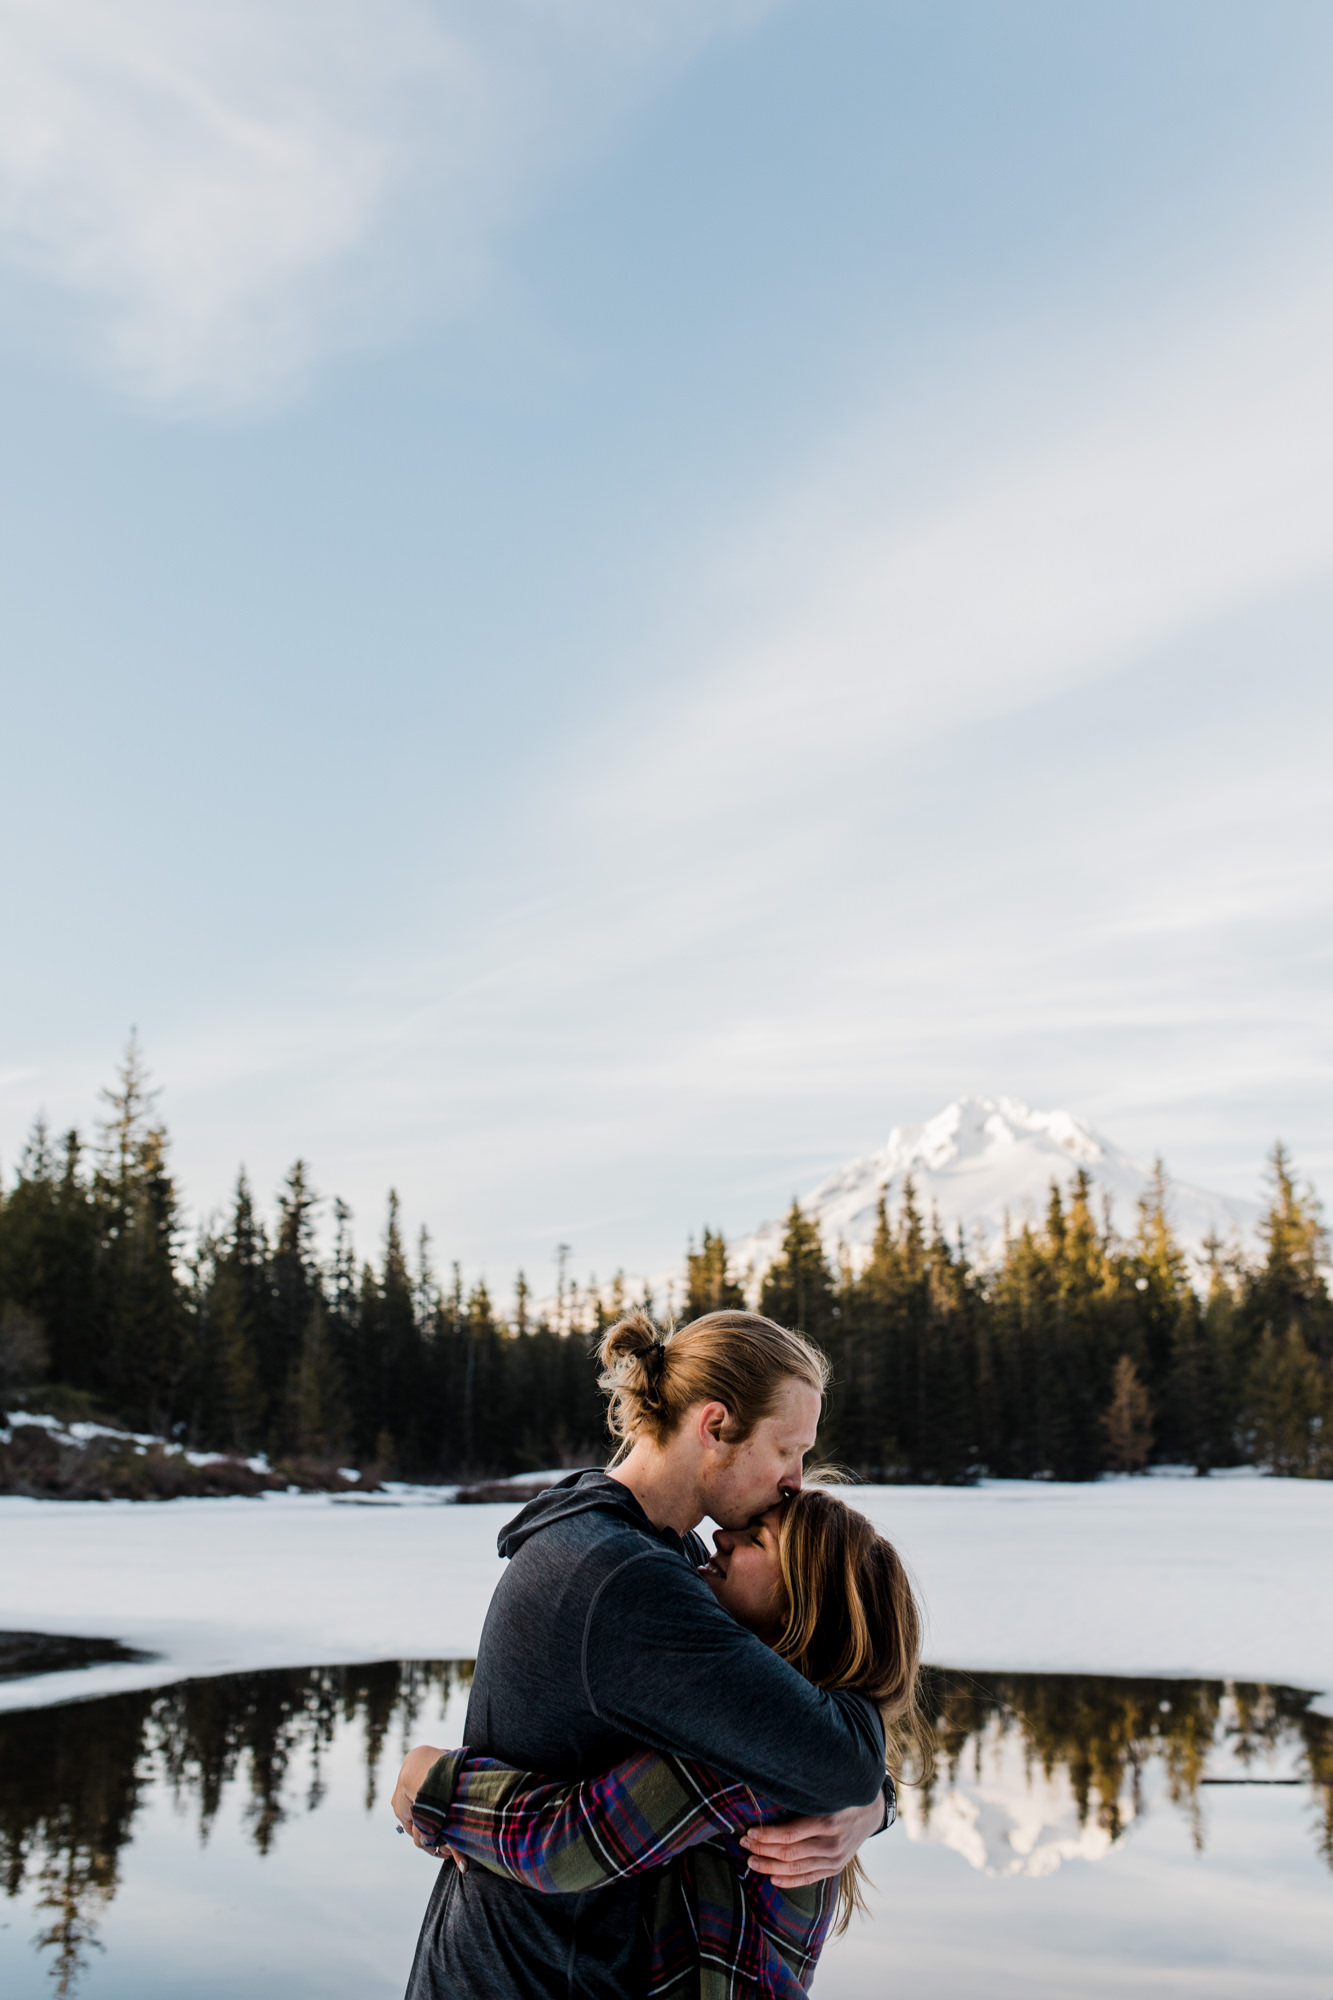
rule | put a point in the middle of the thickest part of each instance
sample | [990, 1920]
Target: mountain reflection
[1037, 1768]
[1033, 1768]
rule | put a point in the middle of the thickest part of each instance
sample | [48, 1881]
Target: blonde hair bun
[633, 1357]
[739, 1359]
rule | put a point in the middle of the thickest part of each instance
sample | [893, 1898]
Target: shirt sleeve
[665, 1664]
[562, 1838]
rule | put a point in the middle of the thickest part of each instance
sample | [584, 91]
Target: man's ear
[712, 1421]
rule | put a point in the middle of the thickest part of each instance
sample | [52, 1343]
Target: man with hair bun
[602, 1637]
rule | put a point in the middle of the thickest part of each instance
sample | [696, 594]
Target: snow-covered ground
[1219, 1577]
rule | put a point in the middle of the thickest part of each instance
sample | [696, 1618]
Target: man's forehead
[798, 1414]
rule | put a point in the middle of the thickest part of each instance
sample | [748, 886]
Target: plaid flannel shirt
[718, 1930]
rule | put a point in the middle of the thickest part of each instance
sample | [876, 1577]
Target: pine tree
[392, 1371]
[49, 1254]
[317, 1417]
[236, 1311]
[1288, 1317]
[904, 1348]
[710, 1287]
[798, 1289]
[343, 1312]
[296, 1283]
[1127, 1420]
[1168, 1338]
[1289, 1288]
[145, 1358]
[234, 1411]
[1092, 1324]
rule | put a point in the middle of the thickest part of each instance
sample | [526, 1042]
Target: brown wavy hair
[853, 1621]
[653, 1375]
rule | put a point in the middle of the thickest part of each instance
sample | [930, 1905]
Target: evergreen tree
[229, 1406]
[905, 1354]
[295, 1285]
[317, 1414]
[798, 1289]
[1021, 1440]
[1290, 1288]
[236, 1308]
[143, 1363]
[1288, 1318]
[1203, 1393]
[49, 1254]
[1164, 1297]
[1127, 1420]
[709, 1285]
[1291, 1405]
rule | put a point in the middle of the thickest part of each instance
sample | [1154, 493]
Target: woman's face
[745, 1576]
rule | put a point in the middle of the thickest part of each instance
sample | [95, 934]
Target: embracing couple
[671, 1758]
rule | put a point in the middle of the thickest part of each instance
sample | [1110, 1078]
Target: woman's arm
[560, 1838]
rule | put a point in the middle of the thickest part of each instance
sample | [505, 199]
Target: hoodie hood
[591, 1492]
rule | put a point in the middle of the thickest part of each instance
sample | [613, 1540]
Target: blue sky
[600, 604]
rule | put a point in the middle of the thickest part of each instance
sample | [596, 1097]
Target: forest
[1075, 1352]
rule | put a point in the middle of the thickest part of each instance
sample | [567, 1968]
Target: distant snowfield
[1228, 1578]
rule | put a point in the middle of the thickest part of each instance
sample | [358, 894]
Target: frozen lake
[1219, 1577]
[1137, 1793]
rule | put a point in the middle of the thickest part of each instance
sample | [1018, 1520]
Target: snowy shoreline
[1226, 1579]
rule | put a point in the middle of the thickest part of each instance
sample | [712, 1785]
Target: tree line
[1074, 1352]
[1071, 1353]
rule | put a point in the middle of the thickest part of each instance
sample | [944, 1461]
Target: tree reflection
[72, 1779]
[1102, 1730]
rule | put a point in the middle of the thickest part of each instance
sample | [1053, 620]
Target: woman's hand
[411, 1777]
[809, 1850]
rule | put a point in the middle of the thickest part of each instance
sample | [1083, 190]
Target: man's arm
[664, 1663]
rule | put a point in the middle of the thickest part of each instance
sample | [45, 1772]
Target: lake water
[1084, 1835]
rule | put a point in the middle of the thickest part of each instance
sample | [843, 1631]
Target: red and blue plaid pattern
[718, 1931]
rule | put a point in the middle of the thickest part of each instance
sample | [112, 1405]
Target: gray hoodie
[602, 1636]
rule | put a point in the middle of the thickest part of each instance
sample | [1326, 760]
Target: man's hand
[411, 1777]
[808, 1850]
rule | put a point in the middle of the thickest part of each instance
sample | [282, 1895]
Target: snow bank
[1223, 1578]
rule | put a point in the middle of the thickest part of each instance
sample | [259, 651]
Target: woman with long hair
[816, 1581]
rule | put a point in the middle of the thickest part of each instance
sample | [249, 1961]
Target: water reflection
[1035, 1769]
[73, 1778]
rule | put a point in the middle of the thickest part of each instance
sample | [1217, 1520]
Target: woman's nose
[723, 1540]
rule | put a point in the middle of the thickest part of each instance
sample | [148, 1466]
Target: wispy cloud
[227, 193]
[1176, 492]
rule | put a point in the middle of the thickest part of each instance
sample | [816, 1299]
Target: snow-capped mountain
[983, 1161]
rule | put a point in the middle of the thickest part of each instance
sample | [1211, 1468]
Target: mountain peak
[971, 1127]
[985, 1165]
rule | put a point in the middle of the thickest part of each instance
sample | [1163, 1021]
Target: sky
[599, 605]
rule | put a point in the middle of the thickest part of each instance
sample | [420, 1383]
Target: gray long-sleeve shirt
[601, 1635]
